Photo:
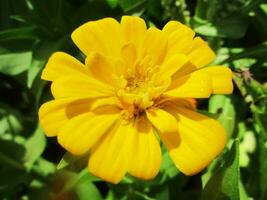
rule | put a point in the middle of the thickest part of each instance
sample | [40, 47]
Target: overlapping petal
[63, 65]
[145, 149]
[108, 159]
[180, 38]
[103, 36]
[56, 113]
[221, 78]
[172, 65]
[177, 27]
[200, 54]
[199, 141]
[188, 103]
[133, 30]
[194, 85]
[129, 56]
[80, 133]
[80, 87]
[154, 45]
[163, 121]
[104, 69]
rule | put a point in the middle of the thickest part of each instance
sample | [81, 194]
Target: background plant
[35, 167]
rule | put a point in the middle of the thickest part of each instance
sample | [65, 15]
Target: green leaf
[262, 167]
[44, 167]
[224, 184]
[242, 191]
[15, 63]
[163, 194]
[240, 64]
[10, 158]
[232, 28]
[33, 153]
[66, 160]
[87, 190]
[264, 8]
[85, 175]
[260, 21]
[110, 195]
[223, 105]
[130, 4]
[18, 33]
[246, 147]
[259, 51]
[72, 162]
[41, 52]
[168, 166]
[112, 3]
[12, 170]
[10, 121]
[251, 6]
[80, 185]
[201, 9]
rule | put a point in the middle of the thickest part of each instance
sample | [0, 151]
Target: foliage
[30, 166]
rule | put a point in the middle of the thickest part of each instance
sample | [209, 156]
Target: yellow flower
[135, 86]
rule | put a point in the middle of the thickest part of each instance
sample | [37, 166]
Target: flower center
[137, 93]
[140, 89]
[137, 84]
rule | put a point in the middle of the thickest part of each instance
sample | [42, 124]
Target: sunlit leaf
[232, 28]
[224, 107]
[15, 63]
[32, 153]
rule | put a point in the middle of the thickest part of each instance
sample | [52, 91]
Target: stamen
[139, 91]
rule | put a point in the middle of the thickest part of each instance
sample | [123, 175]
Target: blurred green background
[31, 165]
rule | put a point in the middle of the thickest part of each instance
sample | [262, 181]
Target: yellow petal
[109, 101]
[164, 122]
[83, 131]
[62, 65]
[170, 66]
[155, 45]
[78, 87]
[201, 54]
[129, 55]
[101, 68]
[103, 36]
[174, 26]
[54, 114]
[180, 38]
[188, 103]
[186, 69]
[194, 85]
[109, 158]
[221, 79]
[179, 42]
[133, 29]
[200, 140]
[144, 149]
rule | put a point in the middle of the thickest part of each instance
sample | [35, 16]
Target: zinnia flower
[136, 87]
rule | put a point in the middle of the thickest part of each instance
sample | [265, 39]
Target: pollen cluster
[142, 87]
